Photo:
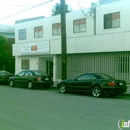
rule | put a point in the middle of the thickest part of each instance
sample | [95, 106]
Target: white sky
[45, 10]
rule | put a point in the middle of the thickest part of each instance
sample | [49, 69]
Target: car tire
[62, 88]
[96, 91]
[30, 85]
[11, 83]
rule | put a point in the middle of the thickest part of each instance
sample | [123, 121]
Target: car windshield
[39, 73]
[4, 72]
[102, 76]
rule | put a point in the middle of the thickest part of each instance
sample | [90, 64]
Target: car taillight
[111, 84]
[39, 78]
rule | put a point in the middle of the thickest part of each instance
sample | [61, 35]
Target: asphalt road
[24, 109]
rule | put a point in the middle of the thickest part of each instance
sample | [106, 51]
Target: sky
[10, 7]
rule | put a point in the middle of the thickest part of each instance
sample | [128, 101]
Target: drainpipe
[93, 9]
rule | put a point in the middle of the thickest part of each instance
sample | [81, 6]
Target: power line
[86, 14]
[26, 9]
[15, 5]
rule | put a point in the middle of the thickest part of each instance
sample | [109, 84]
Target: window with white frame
[56, 29]
[112, 20]
[25, 64]
[38, 32]
[79, 25]
[22, 34]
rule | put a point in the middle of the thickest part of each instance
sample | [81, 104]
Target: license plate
[120, 83]
[46, 78]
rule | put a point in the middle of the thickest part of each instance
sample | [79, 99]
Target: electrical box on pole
[63, 40]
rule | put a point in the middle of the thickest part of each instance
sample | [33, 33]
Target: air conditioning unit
[56, 8]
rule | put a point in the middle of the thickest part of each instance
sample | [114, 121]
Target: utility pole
[63, 39]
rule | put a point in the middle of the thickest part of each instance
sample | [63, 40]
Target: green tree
[3, 39]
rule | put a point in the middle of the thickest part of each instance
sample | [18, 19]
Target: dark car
[31, 79]
[95, 83]
[4, 76]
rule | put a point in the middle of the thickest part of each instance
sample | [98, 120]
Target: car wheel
[11, 83]
[30, 85]
[96, 91]
[63, 88]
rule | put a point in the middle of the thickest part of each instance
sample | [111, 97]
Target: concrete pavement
[128, 89]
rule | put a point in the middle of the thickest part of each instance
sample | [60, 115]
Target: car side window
[21, 74]
[93, 77]
[28, 74]
[84, 77]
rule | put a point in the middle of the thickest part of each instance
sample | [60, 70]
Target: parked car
[31, 79]
[4, 76]
[95, 83]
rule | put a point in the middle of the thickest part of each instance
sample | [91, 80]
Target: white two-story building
[98, 40]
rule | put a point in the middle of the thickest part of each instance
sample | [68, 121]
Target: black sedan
[31, 79]
[4, 76]
[95, 83]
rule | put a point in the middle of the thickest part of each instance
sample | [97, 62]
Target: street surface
[39, 109]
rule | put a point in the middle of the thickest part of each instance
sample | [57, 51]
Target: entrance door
[49, 67]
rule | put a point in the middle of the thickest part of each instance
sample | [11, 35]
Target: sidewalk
[128, 89]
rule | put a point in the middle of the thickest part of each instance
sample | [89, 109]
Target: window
[25, 64]
[112, 20]
[56, 29]
[28, 74]
[86, 77]
[22, 34]
[21, 74]
[122, 64]
[79, 25]
[38, 32]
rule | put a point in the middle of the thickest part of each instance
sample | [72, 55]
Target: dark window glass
[22, 34]
[112, 20]
[25, 64]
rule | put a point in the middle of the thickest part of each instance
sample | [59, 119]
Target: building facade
[98, 40]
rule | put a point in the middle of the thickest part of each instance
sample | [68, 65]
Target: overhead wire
[86, 14]
[26, 10]
[14, 5]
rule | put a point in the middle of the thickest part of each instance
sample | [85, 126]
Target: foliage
[3, 39]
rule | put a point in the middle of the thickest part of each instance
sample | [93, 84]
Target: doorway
[49, 68]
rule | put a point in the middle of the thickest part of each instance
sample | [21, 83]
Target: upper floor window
[79, 25]
[22, 34]
[38, 32]
[56, 29]
[112, 20]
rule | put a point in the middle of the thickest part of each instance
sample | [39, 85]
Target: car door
[82, 83]
[19, 78]
[26, 77]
